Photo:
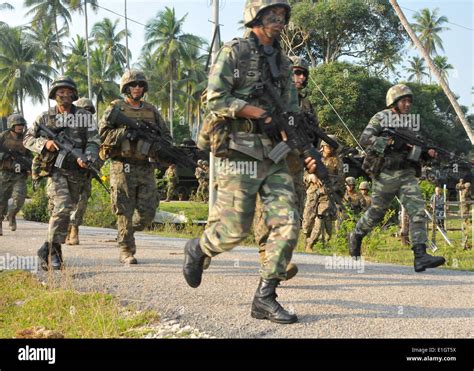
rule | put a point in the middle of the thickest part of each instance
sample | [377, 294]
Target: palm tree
[51, 10]
[76, 68]
[103, 77]
[106, 35]
[20, 74]
[169, 45]
[5, 6]
[428, 26]
[417, 69]
[441, 63]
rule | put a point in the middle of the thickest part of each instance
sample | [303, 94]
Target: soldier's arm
[93, 139]
[108, 133]
[371, 134]
[221, 82]
[32, 140]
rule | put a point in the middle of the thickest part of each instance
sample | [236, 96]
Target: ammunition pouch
[373, 164]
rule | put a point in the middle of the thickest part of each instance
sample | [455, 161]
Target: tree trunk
[434, 70]
[171, 100]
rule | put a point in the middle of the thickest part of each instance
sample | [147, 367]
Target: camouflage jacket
[228, 92]
[171, 176]
[9, 142]
[335, 169]
[355, 201]
[79, 125]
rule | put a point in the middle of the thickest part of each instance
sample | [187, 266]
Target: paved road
[382, 301]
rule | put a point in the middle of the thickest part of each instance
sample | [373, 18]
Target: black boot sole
[423, 267]
[259, 315]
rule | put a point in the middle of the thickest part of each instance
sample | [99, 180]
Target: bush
[37, 209]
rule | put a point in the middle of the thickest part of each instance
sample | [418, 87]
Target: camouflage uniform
[319, 211]
[77, 216]
[396, 178]
[65, 184]
[202, 177]
[133, 187]
[13, 175]
[172, 180]
[364, 187]
[231, 217]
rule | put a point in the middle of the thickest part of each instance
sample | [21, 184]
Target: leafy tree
[428, 26]
[441, 63]
[417, 69]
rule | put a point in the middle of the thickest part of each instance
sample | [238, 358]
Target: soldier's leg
[6, 188]
[18, 198]
[315, 234]
[77, 215]
[385, 187]
[309, 213]
[123, 187]
[412, 200]
[147, 200]
[300, 192]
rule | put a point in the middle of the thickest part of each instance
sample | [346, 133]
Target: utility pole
[89, 82]
[126, 37]
[433, 70]
[215, 49]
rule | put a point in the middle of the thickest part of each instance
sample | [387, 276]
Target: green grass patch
[25, 304]
[192, 210]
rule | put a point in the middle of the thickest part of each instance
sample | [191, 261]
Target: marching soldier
[250, 113]
[364, 190]
[134, 193]
[394, 176]
[172, 180]
[354, 200]
[320, 211]
[77, 215]
[15, 165]
[67, 183]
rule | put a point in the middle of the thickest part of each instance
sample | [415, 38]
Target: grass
[192, 210]
[26, 304]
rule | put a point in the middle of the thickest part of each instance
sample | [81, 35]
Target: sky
[458, 40]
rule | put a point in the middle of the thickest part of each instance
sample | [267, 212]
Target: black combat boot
[56, 256]
[265, 306]
[355, 243]
[424, 260]
[193, 263]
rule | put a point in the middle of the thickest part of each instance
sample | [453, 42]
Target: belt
[246, 126]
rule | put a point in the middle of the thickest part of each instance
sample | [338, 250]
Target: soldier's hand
[51, 146]
[310, 164]
[82, 163]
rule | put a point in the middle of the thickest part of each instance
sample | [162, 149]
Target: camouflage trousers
[202, 192]
[260, 229]
[404, 184]
[320, 222]
[12, 185]
[134, 200]
[170, 190]
[64, 188]
[77, 215]
[231, 217]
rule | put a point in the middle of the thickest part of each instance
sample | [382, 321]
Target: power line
[455, 24]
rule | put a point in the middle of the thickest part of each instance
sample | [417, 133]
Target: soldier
[205, 181]
[354, 200]
[198, 173]
[14, 169]
[364, 190]
[261, 231]
[134, 193]
[247, 108]
[172, 180]
[77, 215]
[319, 210]
[394, 176]
[67, 183]
[464, 194]
[437, 204]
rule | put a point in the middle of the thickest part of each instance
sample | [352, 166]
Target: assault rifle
[302, 135]
[418, 145]
[16, 157]
[152, 139]
[67, 147]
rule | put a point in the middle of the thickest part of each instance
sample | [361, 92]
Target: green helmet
[199, 163]
[299, 62]
[62, 82]
[253, 10]
[205, 163]
[86, 104]
[132, 76]
[397, 92]
[15, 119]
[323, 143]
[364, 185]
[350, 180]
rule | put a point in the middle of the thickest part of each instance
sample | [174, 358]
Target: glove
[270, 128]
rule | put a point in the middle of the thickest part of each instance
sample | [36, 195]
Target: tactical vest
[221, 134]
[15, 144]
[132, 149]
